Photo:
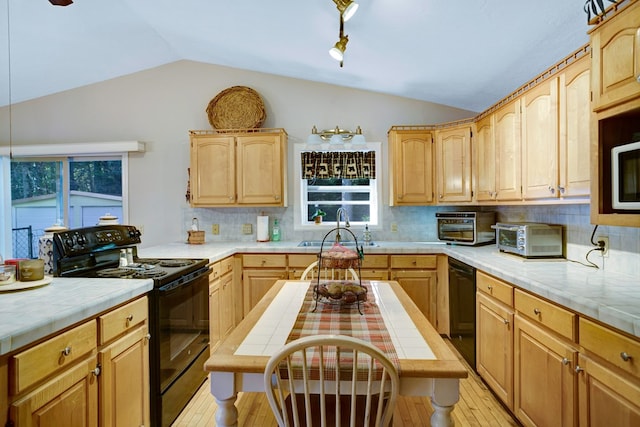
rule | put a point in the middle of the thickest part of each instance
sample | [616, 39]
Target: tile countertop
[29, 315]
[604, 295]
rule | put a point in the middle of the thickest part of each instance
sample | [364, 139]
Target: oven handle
[185, 280]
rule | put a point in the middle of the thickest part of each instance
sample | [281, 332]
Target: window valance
[338, 164]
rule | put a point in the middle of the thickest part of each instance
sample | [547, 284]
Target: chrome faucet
[346, 221]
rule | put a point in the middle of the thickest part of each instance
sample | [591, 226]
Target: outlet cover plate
[247, 229]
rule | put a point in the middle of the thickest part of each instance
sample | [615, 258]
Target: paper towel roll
[263, 228]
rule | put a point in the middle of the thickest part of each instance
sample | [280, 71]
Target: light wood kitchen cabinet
[259, 273]
[417, 275]
[540, 141]
[453, 164]
[238, 169]
[76, 377]
[221, 301]
[545, 357]
[374, 267]
[494, 335]
[575, 117]
[484, 150]
[615, 46]
[508, 152]
[297, 263]
[411, 166]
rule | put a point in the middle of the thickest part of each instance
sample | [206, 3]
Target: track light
[63, 2]
[347, 8]
[337, 51]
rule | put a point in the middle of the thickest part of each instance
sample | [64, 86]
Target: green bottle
[275, 232]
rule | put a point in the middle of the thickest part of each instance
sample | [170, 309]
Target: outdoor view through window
[68, 191]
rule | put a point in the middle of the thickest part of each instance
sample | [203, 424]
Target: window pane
[102, 177]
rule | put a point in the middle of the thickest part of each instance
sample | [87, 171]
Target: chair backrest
[312, 271]
[336, 379]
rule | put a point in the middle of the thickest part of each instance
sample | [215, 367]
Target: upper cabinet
[453, 164]
[238, 168]
[508, 152]
[411, 166]
[615, 84]
[484, 152]
[540, 140]
[615, 46]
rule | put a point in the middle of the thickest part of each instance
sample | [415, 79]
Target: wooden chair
[312, 271]
[331, 391]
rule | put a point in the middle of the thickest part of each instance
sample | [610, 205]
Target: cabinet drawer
[226, 265]
[215, 271]
[259, 261]
[122, 319]
[611, 346]
[414, 261]
[375, 261]
[38, 362]
[498, 289]
[302, 260]
[550, 315]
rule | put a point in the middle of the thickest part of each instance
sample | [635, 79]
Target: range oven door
[179, 345]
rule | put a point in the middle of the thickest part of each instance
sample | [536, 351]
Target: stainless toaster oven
[530, 239]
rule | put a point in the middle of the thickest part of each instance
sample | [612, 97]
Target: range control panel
[79, 241]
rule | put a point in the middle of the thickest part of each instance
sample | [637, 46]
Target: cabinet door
[124, 381]
[411, 173]
[544, 378]
[575, 125]
[226, 304]
[485, 154]
[508, 147]
[540, 141]
[607, 398]
[212, 174]
[494, 335]
[453, 165]
[69, 399]
[260, 170]
[215, 334]
[256, 283]
[615, 47]
[420, 285]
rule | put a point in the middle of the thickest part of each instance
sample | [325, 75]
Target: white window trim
[297, 173]
[117, 148]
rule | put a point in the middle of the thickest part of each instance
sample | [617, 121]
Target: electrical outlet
[247, 229]
[605, 245]
[394, 227]
[215, 229]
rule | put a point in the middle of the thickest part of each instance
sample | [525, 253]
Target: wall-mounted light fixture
[336, 136]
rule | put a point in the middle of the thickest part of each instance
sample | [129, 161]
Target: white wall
[159, 106]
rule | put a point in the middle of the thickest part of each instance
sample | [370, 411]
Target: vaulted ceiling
[463, 53]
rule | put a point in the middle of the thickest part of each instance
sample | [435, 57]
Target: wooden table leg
[223, 390]
[443, 399]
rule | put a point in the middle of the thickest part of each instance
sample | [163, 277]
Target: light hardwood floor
[477, 407]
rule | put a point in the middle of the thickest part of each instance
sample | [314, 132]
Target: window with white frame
[330, 179]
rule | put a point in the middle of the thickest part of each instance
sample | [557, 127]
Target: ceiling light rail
[347, 9]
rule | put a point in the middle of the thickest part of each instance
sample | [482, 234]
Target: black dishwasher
[462, 309]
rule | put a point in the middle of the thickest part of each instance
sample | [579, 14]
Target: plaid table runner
[343, 319]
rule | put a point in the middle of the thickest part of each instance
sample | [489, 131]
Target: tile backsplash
[418, 224]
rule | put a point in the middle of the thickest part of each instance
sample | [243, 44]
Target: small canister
[45, 247]
[31, 269]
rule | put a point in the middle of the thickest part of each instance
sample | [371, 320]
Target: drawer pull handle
[66, 351]
[565, 361]
[578, 369]
[536, 311]
[624, 356]
[129, 319]
[489, 287]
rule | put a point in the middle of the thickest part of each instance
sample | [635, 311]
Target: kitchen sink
[329, 243]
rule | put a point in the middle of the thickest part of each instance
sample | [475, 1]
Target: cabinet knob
[625, 356]
[578, 369]
[506, 322]
[129, 318]
[96, 371]
[148, 337]
[536, 311]
[489, 287]
[566, 361]
[552, 190]
[66, 351]
[440, 196]
[561, 189]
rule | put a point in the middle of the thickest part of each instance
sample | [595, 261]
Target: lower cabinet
[221, 301]
[94, 374]
[417, 275]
